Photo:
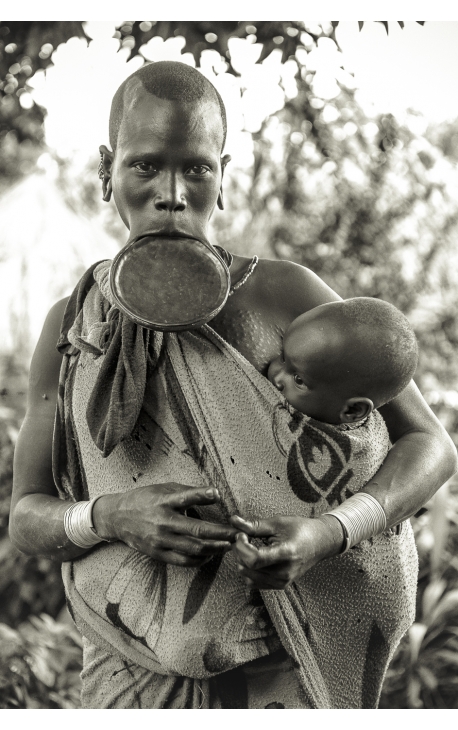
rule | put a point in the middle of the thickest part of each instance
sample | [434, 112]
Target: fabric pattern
[112, 682]
[202, 415]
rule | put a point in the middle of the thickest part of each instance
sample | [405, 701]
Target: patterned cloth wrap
[137, 408]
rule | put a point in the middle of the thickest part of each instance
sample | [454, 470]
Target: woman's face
[167, 167]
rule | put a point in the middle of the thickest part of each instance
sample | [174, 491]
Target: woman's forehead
[151, 118]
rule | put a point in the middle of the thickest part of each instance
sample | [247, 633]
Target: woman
[167, 132]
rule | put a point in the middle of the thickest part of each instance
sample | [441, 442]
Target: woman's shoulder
[299, 286]
[46, 360]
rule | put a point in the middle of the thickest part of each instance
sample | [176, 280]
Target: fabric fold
[129, 359]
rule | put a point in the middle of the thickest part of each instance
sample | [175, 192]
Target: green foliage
[28, 46]
[423, 673]
[25, 47]
[40, 663]
[215, 34]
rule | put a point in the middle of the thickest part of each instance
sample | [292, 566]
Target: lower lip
[166, 234]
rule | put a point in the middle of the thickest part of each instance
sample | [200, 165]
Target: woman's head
[167, 80]
[167, 130]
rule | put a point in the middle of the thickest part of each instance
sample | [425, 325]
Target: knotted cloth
[137, 408]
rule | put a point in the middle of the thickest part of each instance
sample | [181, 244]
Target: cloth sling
[136, 409]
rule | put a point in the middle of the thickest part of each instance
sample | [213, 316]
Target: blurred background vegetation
[368, 202]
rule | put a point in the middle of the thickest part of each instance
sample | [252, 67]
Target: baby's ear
[355, 409]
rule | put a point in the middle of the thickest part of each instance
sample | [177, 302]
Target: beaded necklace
[228, 259]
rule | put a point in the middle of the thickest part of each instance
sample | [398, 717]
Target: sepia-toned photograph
[228, 364]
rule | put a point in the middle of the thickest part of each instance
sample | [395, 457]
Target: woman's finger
[200, 529]
[254, 528]
[261, 557]
[192, 546]
[181, 497]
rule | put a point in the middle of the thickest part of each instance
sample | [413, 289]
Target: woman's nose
[170, 196]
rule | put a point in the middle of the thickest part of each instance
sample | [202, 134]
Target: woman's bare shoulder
[300, 286]
[46, 360]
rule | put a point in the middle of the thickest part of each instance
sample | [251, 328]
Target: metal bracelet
[78, 524]
[361, 517]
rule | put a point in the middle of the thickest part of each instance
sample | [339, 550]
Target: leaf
[416, 634]
[385, 24]
[42, 670]
[431, 596]
[360, 24]
[427, 677]
[448, 604]
[451, 657]
[413, 693]
[440, 528]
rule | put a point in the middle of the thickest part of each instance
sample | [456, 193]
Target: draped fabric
[136, 409]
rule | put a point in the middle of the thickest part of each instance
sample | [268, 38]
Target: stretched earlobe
[107, 190]
[220, 201]
[104, 171]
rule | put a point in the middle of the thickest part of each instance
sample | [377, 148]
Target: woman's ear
[220, 200]
[106, 162]
[355, 409]
[224, 162]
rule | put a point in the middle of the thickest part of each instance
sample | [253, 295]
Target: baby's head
[343, 359]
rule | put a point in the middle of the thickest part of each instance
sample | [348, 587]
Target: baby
[343, 359]
[339, 361]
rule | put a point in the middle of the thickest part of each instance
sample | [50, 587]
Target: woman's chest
[255, 333]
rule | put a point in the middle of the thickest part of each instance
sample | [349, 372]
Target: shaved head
[167, 80]
[370, 343]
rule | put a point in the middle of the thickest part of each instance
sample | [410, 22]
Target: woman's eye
[199, 170]
[145, 167]
[298, 380]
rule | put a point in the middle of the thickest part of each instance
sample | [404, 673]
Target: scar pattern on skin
[258, 341]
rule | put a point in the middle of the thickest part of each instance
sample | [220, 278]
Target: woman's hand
[292, 546]
[153, 520]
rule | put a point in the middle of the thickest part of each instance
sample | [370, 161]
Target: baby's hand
[292, 546]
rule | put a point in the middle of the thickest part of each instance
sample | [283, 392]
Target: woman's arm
[420, 461]
[150, 519]
[37, 514]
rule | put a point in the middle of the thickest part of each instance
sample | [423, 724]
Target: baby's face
[304, 372]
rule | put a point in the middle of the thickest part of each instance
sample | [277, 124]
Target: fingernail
[209, 492]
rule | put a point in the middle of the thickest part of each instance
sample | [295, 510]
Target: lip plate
[187, 324]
